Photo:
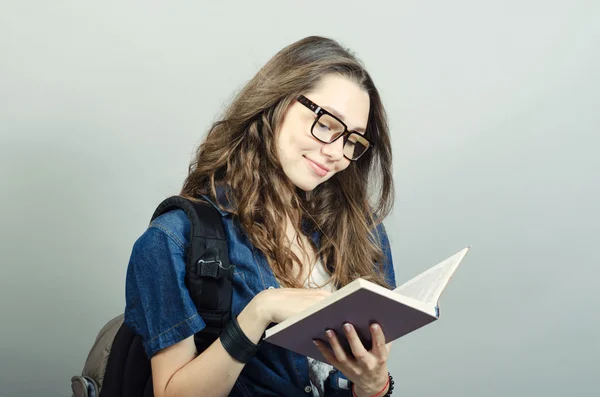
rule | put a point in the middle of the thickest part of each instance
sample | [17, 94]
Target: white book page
[429, 285]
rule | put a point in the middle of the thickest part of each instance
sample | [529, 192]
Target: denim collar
[221, 199]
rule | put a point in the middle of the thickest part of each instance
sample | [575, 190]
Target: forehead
[343, 98]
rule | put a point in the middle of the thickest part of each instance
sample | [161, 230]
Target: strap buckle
[210, 268]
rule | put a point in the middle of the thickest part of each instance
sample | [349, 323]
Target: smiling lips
[319, 168]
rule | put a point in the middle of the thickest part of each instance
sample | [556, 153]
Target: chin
[306, 184]
[307, 187]
[306, 181]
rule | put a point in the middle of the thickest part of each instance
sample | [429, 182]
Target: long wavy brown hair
[239, 155]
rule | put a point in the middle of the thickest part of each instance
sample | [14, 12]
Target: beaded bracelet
[389, 382]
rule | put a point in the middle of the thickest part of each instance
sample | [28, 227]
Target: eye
[323, 126]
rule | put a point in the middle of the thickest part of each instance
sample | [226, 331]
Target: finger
[336, 346]
[327, 352]
[340, 353]
[378, 348]
[358, 349]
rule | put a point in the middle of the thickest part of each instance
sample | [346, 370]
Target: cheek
[296, 140]
[342, 165]
[285, 140]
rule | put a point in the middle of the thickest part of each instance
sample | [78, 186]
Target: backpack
[117, 364]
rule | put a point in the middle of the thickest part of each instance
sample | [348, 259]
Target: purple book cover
[361, 308]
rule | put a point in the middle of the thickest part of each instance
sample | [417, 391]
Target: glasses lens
[327, 128]
[356, 145]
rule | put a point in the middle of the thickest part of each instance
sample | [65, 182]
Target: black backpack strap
[208, 270]
[208, 279]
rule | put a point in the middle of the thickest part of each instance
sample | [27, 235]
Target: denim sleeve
[158, 305]
[388, 265]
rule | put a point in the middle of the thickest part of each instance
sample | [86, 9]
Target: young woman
[299, 167]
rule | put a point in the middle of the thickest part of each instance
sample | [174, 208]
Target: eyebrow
[339, 116]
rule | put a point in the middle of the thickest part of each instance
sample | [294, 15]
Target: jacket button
[308, 389]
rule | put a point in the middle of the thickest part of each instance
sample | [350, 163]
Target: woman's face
[306, 161]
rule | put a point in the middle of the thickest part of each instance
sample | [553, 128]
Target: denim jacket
[159, 307]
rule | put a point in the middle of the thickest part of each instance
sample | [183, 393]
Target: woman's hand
[367, 369]
[277, 305]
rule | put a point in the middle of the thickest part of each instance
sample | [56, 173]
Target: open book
[361, 303]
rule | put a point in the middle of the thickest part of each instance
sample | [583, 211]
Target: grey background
[494, 115]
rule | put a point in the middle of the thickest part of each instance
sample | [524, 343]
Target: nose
[335, 150]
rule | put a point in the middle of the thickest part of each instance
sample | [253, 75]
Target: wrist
[358, 392]
[253, 321]
[237, 343]
[257, 309]
[382, 388]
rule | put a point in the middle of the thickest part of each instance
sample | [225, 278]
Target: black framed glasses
[327, 128]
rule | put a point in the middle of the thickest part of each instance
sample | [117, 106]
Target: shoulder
[173, 224]
[380, 234]
[158, 303]
[165, 240]
[388, 263]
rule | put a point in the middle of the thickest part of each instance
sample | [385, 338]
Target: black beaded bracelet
[391, 389]
[236, 343]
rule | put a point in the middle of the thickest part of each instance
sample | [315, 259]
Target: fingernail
[375, 327]
[329, 333]
[315, 342]
[347, 327]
